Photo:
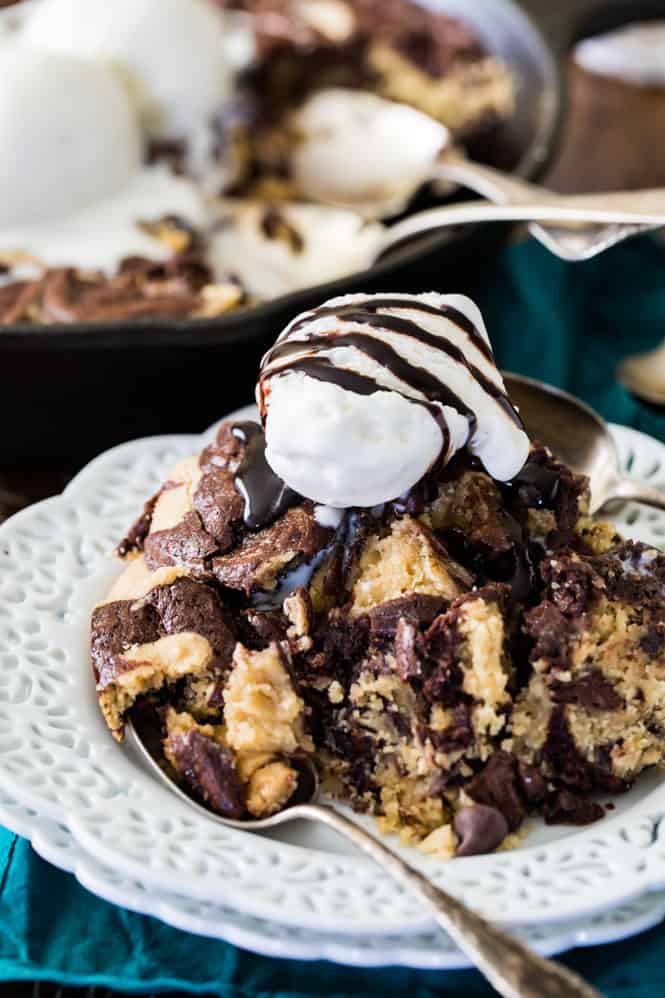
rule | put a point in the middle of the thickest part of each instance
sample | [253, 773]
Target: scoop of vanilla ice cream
[634, 53]
[363, 396]
[170, 53]
[103, 234]
[359, 149]
[68, 134]
[278, 250]
[341, 449]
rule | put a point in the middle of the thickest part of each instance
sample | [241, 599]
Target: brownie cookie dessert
[387, 578]
[185, 158]
[399, 49]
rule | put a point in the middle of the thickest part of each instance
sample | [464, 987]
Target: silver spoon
[573, 238]
[572, 245]
[630, 212]
[513, 969]
[580, 438]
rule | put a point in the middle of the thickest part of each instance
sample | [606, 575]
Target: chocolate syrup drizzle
[305, 355]
[264, 493]
[372, 306]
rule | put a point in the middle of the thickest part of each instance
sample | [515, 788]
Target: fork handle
[511, 967]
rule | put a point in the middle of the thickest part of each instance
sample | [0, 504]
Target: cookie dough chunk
[408, 560]
[139, 645]
[263, 712]
[593, 712]
[423, 708]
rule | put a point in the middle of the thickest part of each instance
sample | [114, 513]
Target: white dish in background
[58, 759]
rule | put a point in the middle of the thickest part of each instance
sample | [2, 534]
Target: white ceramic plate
[57, 758]
[424, 951]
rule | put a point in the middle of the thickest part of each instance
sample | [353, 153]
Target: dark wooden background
[612, 139]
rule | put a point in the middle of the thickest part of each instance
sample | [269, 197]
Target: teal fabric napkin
[566, 324]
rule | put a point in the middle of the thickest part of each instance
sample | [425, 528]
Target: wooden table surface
[612, 139]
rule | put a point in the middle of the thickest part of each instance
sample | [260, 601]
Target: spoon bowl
[306, 794]
[579, 437]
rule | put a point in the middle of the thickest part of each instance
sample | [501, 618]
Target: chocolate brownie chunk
[572, 584]
[497, 786]
[408, 654]
[261, 558]
[139, 530]
[225, 453]
[458, 733]
[442, 640]
[209, 769]
[220, 506]
[551, 633]
[419, 610]
[187, 605]
[186, 544]
[591, 690]
[563, 807]
[115, 627]
[562, 760]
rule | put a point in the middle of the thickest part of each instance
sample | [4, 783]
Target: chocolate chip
[407, 659]
[480, 829]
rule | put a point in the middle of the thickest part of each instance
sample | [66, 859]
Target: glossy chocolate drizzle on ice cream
[396, 334]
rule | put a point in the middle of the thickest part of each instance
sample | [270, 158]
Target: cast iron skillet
[69, 391]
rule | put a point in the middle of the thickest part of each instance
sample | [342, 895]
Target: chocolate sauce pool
[265, 495]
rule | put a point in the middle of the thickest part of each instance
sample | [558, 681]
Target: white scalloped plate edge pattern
[426, 951]
[57, 759]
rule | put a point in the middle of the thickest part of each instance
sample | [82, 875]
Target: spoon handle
[492, 184]
[513, 969]
[551, 212]
[626, 489]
